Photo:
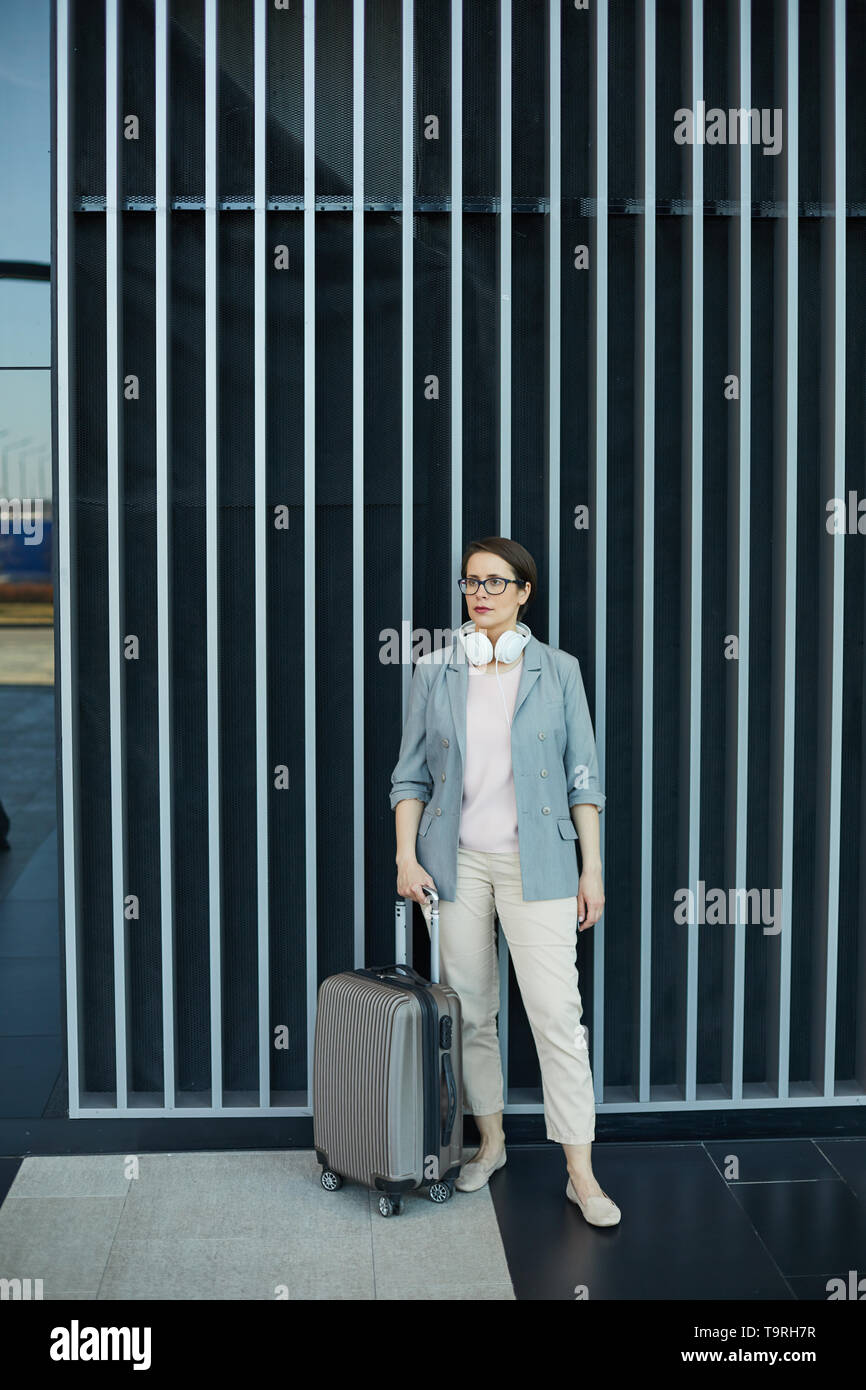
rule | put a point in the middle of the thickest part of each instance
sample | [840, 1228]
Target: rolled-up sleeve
[411, 775]
[581, 758]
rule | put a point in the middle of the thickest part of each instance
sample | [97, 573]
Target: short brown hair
[516, 555]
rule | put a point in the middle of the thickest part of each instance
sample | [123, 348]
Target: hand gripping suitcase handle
[434, 931]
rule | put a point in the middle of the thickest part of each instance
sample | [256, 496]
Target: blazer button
[545, 810]
[445, 743]
[541, 733]
[443, 776]
[543, 772]
[438, 810]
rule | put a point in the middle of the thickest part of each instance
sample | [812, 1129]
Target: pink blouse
[488, 818]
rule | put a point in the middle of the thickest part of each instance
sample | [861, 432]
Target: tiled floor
[255, 1225]
[238, 1226]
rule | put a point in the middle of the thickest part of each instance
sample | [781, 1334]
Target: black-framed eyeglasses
[495, 585]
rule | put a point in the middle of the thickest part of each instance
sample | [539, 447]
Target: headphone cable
[502, 693]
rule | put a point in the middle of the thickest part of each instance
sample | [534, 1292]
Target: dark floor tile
[29, 1068]
[848, 1157]
[29, 928]
[808, 1227]
[682, 1235]
[8, 1168]
[29, 995]
[770, 1160]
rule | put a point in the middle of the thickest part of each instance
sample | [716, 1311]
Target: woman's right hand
[410, 876]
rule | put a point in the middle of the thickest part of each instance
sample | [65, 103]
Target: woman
[497, 778]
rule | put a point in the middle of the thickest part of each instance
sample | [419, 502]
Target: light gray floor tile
[215, 1268]
[411, 1291]
[237, 1196]
[64, 1241]
[224, 1171]
[151, 1215]
[409, 1249]
[71, 1175]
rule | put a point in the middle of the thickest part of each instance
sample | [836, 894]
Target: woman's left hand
[590, 898]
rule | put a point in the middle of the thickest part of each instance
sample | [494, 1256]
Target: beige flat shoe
[476, 1173]
[598, 1211]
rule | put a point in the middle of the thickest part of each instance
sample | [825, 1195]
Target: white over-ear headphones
[479, 649]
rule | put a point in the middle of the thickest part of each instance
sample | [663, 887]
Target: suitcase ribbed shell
[368, 1113]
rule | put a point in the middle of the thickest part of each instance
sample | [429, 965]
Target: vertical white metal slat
[647, 590]
[838, 573]
[310, 760]
[505, 267]
[114, 499]
[358, 704]
[504, 402]
[696, 454]
[263, 771]
[554, 261]
[211, 214]
[66, 567]
[406, 258]
[792, 44]
[598, 490]
[163, 543]
[456, 306]
[744, 519]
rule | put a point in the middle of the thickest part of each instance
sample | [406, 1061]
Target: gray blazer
[553, 757]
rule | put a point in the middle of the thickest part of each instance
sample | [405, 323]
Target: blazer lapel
[530, 673]
[457, 680]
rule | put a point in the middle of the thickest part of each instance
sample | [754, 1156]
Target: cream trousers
[542, 940]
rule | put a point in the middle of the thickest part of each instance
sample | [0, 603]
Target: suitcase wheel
[390, 1206]
[440, 1191]
[331, 1181]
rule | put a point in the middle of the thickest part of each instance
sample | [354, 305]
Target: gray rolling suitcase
[387, 1076]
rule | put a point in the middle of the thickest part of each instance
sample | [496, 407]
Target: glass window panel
[25, 323]
[25, 109]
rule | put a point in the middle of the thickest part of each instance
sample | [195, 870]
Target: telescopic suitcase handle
[403, 921]
[447, 1069]
[434, 931]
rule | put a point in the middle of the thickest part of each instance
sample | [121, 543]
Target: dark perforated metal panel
[357, 844]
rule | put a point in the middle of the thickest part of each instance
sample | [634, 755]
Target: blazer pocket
[425, 822]
[554, 711]
[567, 828]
